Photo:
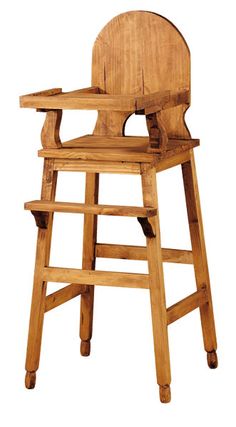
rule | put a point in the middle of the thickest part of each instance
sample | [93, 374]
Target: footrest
[67, 207]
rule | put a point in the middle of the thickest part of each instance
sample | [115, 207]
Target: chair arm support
[50, 134]
[158, 138]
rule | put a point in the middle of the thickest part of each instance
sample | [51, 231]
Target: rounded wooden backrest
[140, 53]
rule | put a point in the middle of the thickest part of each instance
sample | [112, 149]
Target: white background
[48, 44]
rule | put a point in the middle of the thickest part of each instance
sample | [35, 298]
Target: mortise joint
[146, 227]
[41, 219]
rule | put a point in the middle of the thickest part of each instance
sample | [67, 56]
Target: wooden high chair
[141, 65]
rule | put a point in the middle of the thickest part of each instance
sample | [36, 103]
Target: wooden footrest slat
[95, 277]
[63, 295]
[68, 207]
[104, 250]
[186, 305]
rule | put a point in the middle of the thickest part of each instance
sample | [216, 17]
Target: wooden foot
[212, 359]
[85, 348]
[165, 393]
[30, 379]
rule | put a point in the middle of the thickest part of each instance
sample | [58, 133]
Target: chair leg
[157, 290]
[200, 258]
[89, 241]
[40, 287]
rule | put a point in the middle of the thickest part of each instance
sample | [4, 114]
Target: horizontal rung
[47, 206]
[140, 253]
[101, 166]
[186, 305]
[91, 277]
[63, 295]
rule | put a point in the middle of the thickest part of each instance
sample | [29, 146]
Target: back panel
[140, 53]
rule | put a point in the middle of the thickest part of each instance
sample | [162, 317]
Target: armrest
[158, 101]
[93, 99]
[81, 99]
[50, 98]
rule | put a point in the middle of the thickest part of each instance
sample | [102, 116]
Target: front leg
[157, 288]
[40, 287]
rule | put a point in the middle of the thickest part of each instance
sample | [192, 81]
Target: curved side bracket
[50, 137]
[41, 219]
[146, 227]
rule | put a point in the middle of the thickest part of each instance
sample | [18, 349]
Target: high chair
[140, 65]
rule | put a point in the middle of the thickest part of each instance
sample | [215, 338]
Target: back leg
[200, 258]
[89, 241]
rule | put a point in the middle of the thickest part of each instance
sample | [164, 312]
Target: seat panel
[126, 149]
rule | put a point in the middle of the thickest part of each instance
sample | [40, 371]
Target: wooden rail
[68, 207]
[63, 295]
[186, 305]
[104, 250]
[95, 277]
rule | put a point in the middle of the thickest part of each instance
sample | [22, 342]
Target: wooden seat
[141, 65]
[125, 149]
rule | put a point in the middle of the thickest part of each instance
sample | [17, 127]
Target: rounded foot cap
[165, 393]
[212, 359]
[30, 379]
[85, 348]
